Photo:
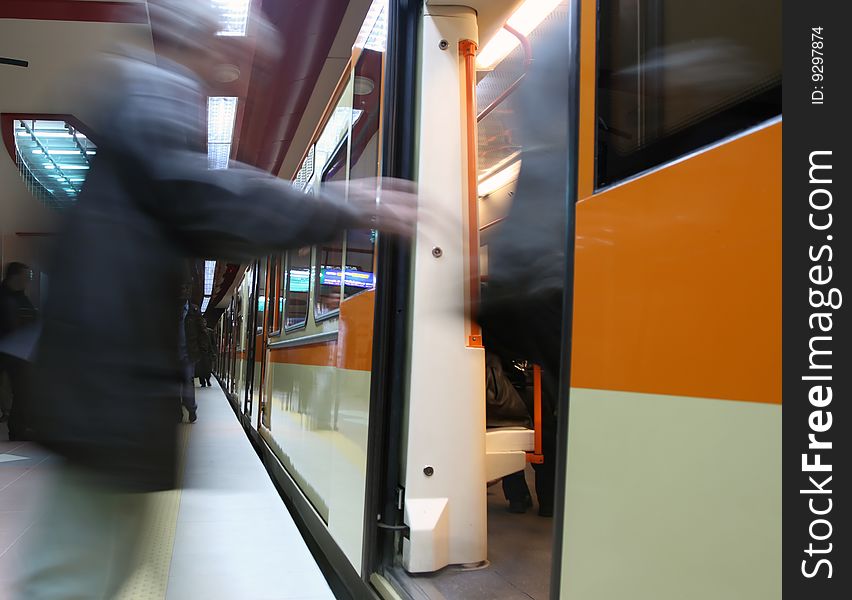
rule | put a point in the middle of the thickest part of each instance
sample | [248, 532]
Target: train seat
[506, 450]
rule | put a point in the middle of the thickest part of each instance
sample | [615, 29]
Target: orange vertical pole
[537, 408]
[467, 48]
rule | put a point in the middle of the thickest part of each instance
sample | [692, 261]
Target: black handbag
[504, 406]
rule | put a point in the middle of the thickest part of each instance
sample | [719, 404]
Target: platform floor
[225, 534]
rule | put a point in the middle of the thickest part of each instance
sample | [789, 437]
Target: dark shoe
[193, 417]
[545, 511]
[518, 507]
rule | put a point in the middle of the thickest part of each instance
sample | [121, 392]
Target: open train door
[672, 474]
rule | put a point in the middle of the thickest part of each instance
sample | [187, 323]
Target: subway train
[359, 374]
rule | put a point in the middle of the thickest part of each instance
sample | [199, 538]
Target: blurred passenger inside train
[505, 406]
[521, 308]
[107, 363]
[16, 313]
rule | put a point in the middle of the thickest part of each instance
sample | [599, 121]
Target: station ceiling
[47, 39]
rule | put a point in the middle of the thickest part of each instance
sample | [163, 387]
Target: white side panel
[446, 413]
[319, 432]
[670, 498]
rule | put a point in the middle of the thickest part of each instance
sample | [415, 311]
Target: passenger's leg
[5, 394]
[545, 474]
[18, 372]
[517, 493]
[187, 392]
[83, 543]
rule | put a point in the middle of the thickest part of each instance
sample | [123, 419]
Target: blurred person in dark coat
[204, 366]
[107, 362]
[189, 352]
[521, 308]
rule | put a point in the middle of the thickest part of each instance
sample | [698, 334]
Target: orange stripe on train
[678, 278]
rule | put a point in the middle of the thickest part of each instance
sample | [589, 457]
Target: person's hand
[386, 204]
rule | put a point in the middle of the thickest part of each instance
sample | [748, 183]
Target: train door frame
[383, 515]
[251, 342]
[573, 65]
[589, 187]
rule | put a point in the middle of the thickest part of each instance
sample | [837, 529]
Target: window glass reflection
[675, 75]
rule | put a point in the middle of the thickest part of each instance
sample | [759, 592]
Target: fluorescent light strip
[234, 16]
[528, 16]
[221, 116]
[209, 271]
[374, 30]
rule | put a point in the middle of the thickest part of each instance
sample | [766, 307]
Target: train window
[364, 161]
[360, 251]
[282, 291]
[261, 294]
[298, 287]
[330, 255]
[274, 319]
[676, 75]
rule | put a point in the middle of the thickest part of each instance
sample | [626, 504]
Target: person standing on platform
[16, 311]
[107, 362]
[189, 354]
[204, 366]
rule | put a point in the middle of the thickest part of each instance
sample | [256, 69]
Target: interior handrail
[528, 58]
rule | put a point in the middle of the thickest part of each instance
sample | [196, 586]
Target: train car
[359, 374]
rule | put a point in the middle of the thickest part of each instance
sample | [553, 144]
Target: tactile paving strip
[151, 578]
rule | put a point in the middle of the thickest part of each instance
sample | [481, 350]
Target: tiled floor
[233, 539]
[519, 555]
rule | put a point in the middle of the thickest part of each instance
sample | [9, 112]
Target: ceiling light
[374, 30]
[501, 178]
[50, 134]
[74, 167]
[528, 16]
[221, 116]
[234, 15]
[363, 86]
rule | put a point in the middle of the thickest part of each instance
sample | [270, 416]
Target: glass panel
[298, 286]
[282, 290]
[329, 261]
[330, 256]
[360, 249]
[320, 414]
[675, 75]
[261, 294]
[364, 162]
[274, 319]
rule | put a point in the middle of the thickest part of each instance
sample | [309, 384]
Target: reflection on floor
[225, 535]
[519, 552]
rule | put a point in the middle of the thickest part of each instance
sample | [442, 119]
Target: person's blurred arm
[155, 133]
